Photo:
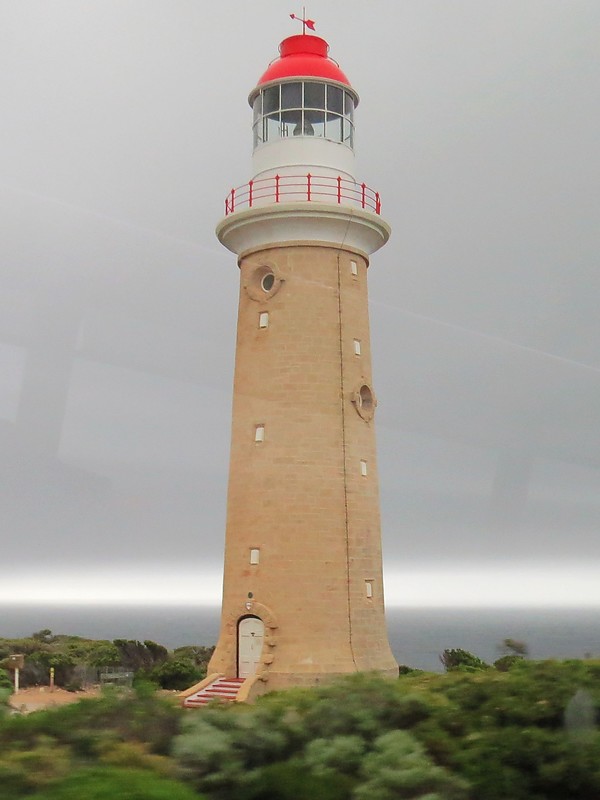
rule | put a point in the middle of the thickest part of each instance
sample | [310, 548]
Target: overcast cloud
[123, 125]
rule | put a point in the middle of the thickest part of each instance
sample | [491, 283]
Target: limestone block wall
[303, 491]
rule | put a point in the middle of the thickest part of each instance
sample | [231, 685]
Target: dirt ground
[40, 697]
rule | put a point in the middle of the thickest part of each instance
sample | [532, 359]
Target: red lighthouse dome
[304, 56]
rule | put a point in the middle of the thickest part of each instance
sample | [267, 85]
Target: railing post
[339, 184]
[363, 186]
[250, 185]
[232, 200]
[377, 203]
[308, 186]
[276, 188]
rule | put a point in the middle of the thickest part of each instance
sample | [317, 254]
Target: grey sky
[123, 125]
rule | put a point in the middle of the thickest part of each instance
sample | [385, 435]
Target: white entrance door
[250, 641]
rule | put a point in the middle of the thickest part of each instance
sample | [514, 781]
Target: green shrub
[340, 754]
[206, 756]
[177, 674]
[290, 780]
[462, 660]
[363, 704]
[110, 783]
[400, 767]
[6, 681]
[505, 663]
[84, 726]
[25, 770]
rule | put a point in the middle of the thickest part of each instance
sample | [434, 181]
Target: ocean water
[417, 636]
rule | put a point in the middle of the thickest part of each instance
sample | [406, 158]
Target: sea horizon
[417, 635]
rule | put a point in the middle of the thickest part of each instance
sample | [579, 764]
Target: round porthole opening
[366, 398]
[365, 402]
[262, 282]
[267, 282]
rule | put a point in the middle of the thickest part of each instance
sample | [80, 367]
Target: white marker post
[16, 662]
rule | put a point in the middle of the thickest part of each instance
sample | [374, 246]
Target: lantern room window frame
[319, 109]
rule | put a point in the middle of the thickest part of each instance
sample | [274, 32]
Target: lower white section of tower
[340, 226]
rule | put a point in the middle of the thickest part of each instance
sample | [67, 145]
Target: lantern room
[303, 111]
[304, 108]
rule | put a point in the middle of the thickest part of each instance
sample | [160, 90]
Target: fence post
[232, 200]
[363, 186]
[377, 203]
[308, 186]
[250, 185]
[276, 188]
[339, 184]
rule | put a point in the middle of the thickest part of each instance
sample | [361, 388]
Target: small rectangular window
[259, 433]
[263, 319]
[363, 467]
[254, 555]
[357, 347]
[354, 267]
[369, 588]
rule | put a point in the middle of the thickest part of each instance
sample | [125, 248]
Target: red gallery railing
[287, 188]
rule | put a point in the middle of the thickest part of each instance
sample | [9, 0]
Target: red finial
[306, 23]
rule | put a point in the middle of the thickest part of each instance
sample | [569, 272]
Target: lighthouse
[303, 591]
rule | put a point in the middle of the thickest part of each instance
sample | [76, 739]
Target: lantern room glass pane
[315, 125]
[348, 133]
[292, 117]
[348, 105]
[271, 128]
[312, 115]
[314, 95]
[270, 100]
[335, 99]
[291, 95]
[257, 107]
[333, 130]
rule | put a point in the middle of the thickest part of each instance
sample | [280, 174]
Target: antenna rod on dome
[306, 23]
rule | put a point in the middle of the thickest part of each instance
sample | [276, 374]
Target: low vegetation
[520, 730]
[77, 661]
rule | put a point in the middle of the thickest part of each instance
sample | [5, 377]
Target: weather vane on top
[306, 23]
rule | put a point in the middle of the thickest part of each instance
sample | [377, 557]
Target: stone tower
[303, 592]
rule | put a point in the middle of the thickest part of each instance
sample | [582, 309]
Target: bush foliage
[76, 660]
[116, 784]
[527, 732]
[482, 734]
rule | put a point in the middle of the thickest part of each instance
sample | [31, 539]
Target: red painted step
[223, 689]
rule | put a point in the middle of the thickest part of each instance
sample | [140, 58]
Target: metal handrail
[302, 187]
